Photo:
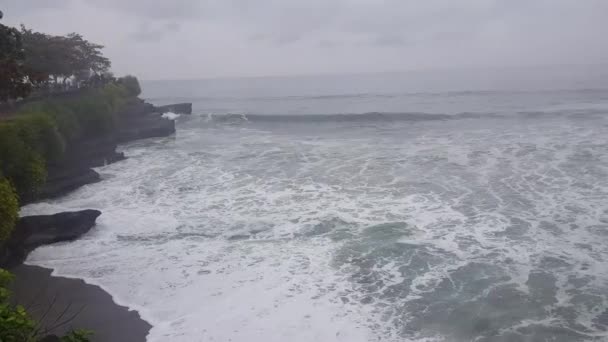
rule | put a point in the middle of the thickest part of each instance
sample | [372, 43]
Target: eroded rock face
[139, 120]
[34, 231]
[62, 180]
[143, 127]
[93, 152]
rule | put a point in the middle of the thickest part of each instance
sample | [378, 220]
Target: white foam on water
[235, 232]
[170, 116]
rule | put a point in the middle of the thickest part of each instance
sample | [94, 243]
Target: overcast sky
[185, 39]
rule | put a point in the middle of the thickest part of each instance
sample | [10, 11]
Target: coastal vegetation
[55, 91]
[9, 209]
[14, 81]
[38, 132]
[39, 63]
[67, 59]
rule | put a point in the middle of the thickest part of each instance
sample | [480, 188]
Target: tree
[132, 85]
[61, 57]
[13, 76]
[86, 55]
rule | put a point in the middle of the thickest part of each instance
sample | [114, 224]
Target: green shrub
[9, 209]
[39, 133]
[94, 114]
[132, 85]
[116, 95]
[65, 118]
[15, 323]
[78, 336]
[20, 163]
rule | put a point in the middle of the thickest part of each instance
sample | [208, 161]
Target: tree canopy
[31, 60]
[13, 72]
[53, 57]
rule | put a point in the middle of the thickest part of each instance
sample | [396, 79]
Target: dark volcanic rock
[138, 120]
[136, 108]
[34, 231]
[148, 126]
[177, 108]
[61, 180]
[93, 152]
[74, 170]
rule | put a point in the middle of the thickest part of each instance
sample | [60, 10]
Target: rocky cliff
[139, 120]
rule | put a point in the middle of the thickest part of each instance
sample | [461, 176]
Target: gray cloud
[153, 33]
[389, 40]
[154, 9]
[19, 8]
[198, 38]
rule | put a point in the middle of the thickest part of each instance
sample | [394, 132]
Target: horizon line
[407, 71]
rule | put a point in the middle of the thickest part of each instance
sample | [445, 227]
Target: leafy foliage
[20, 163]
[40, 131]
[9, 209]
[15, 324]
[13, 82]
[48, 56]
[78, 336]
[132, 85]
[30, 59]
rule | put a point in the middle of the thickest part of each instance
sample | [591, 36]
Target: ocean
[428, 206]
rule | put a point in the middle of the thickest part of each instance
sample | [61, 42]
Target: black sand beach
[95, 310]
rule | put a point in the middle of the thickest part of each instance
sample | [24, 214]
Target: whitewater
[286, 211]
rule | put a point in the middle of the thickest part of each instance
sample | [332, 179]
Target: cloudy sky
[184, 39]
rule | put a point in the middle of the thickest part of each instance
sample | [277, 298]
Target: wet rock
[138, 120]
[74, 169]
[32, 232]
[61, 181]
[93, 152]
[148, 126]
[136, 107]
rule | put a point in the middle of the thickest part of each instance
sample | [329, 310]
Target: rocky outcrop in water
[141, 121]
[34, 231]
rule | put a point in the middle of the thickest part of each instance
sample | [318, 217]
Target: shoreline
[58, 303]
[47, 296]
[53, 299]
